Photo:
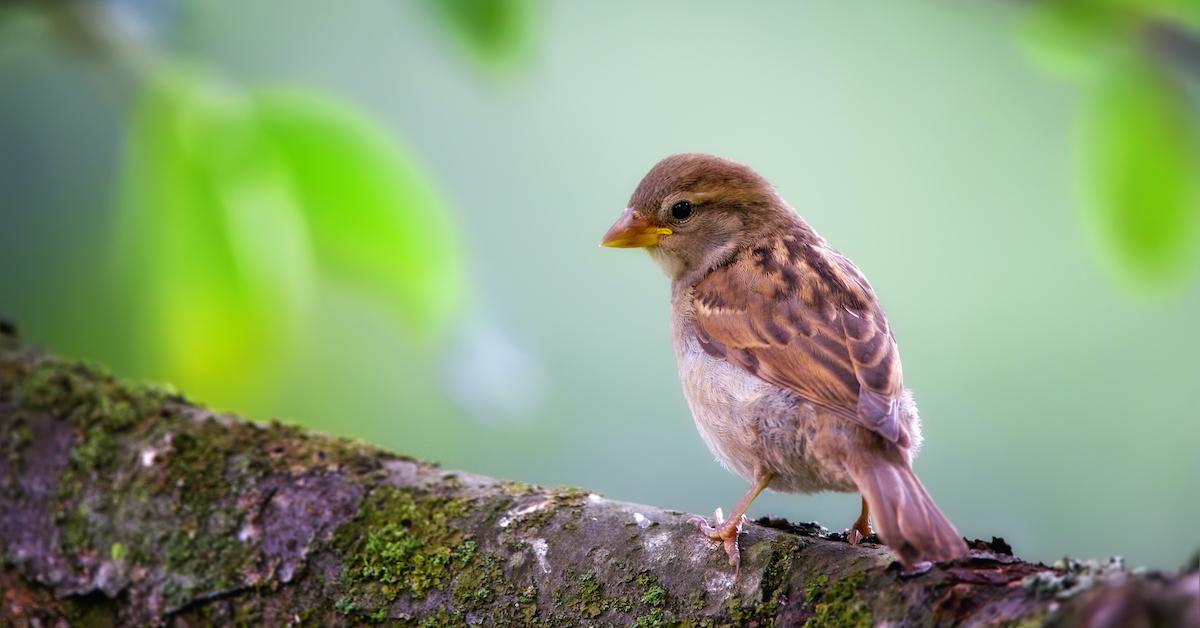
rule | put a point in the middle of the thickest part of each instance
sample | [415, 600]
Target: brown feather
[782, 346]
[799, 315]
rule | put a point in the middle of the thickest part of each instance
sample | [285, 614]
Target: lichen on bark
[128, 504]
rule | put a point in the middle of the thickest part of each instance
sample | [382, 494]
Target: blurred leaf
[1068, 37]
[210, 293]
[496, 33]
[235, 201]
[374, 218]
[1185, 13]
[1141, 166]
[1074, 38]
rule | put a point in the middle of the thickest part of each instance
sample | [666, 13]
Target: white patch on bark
[248, 533]
[718, 581]
[539, 550]
[654, 543]
[516, 514]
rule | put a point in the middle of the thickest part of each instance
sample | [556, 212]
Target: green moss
[590, 596]
[288, 445]
[401, 543]
[443, 618]
[655, 596]
[345, 605]
[1033, 621]
[593, 597]
[778, 569]
[653, 619]
[526, 610]
[473, 587]
[95, 449]
[104, 486]
[205, 544]
[560, 499]
[514, 488]
[839, 606]
[101, 411]
[774, 586]
[134, 462]
[814, 588]
[569, 494]
[589, 600]
[84, 394]
[19, 436]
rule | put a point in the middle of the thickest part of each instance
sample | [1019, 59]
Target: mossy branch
[122, 504]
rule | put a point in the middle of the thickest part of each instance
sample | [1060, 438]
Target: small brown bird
[788, 364]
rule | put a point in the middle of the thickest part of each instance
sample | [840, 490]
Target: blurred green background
[380, 220]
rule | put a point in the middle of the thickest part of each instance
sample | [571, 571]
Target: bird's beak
[632, 230]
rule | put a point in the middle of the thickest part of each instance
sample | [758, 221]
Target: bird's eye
[681, 210]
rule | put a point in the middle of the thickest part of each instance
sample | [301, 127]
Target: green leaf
[1141, 168]
[236, 203]
[1069, 37]
[1074, 38]
[209, 293]
[1183, 13]
[496, 33]
[374, 219]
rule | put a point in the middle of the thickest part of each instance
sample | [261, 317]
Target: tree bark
[127, 504]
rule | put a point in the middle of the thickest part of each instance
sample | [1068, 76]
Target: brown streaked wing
[801, 316]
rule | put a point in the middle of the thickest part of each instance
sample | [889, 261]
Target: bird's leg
[862, 526]
[727, 531]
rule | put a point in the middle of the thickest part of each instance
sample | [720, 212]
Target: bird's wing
[803, 317]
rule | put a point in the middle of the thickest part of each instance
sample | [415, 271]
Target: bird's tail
[906, 517]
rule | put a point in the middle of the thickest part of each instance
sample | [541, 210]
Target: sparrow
[788, 364]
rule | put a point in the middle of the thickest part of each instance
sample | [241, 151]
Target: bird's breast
[722, 397]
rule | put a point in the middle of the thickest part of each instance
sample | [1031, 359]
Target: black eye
[681, 210]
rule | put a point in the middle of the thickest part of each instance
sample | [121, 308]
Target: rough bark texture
[126, 504]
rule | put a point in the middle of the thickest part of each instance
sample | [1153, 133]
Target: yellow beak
[632, 230]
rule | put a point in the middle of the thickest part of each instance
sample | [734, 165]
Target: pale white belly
[751, 426]
[718, 394]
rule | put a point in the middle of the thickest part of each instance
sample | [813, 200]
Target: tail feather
[905, 515]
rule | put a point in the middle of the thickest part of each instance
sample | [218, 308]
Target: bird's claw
[724, 532]
[702, 524]
[859, 531]
[734, 553]
[714, 533]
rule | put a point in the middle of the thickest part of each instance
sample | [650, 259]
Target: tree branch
[124, 504]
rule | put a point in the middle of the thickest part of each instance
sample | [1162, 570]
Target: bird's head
[693, 212]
